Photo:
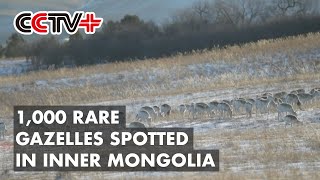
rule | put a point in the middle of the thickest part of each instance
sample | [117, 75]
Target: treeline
[16, 46]
[204, 25]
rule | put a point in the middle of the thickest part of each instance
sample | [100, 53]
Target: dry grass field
[260, 147]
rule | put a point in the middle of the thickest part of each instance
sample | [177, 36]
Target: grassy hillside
[260, 147]
[264, 62]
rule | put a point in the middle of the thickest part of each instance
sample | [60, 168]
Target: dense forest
[205, 25]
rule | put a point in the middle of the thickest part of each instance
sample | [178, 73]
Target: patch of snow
[14, 67]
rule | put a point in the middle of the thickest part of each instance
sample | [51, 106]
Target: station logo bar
[53, 22]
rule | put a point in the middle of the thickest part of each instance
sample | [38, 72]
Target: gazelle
[238, 104]
[262, 104]
[183, 109]
[213, 107]
[156, 110]
[291, 119]
[285, 108]
[144, 116]
[165, 110]
[199, 109]
[225, 108]
[151, 112]
[293, 99]
[305, 97]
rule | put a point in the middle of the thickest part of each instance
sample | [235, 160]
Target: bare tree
[240, 12]
[202, 10]
[182, 19]
[225, 12]
[292, 7]
[197, 16]
[250, 11]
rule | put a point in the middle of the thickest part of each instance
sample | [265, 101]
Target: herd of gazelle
[282, 102]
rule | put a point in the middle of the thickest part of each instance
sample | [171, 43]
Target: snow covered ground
[14, 67]
[197, 74]
[209, 134]
[260, 147]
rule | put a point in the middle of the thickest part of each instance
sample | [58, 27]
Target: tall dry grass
[297, 44]
[185, 81]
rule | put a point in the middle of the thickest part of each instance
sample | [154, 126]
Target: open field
[259, 147]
